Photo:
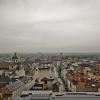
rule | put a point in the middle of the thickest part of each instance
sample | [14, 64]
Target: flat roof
[36, 92]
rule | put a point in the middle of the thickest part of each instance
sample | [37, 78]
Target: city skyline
[49, 26]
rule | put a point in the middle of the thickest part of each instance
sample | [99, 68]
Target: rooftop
[15, 84]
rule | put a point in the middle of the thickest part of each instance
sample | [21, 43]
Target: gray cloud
[49, 25]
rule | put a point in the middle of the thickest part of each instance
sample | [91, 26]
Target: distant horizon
[51, 52]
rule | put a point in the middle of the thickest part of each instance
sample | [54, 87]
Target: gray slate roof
[25, 79]
[15, 84]
[4, 80]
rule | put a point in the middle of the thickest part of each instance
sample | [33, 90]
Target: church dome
[15, 56]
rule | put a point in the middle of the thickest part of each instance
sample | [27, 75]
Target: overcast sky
[49, 26]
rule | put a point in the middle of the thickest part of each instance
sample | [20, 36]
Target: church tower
[15, 58]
